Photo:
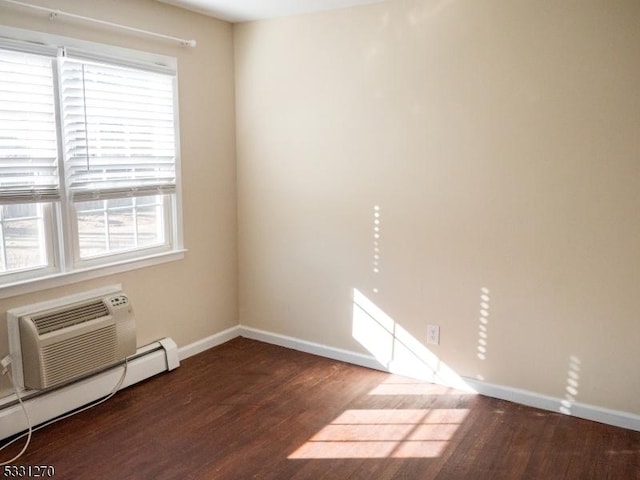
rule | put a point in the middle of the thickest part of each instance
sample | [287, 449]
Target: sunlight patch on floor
[384, 433]
[400, 385]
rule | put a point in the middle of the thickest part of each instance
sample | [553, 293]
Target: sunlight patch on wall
[573, 377]
[380, 433]
[395, 348]
[376, 239]
[376, 243]
[483, 328]
[373, 328]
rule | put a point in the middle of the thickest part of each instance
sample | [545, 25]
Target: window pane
[90, 206]
[121, 227]
[150, 226]
[22, 237]
[92, 233]
[118, 225]
[120, 202]
[22, 244]
[149, 200]
[24, 210]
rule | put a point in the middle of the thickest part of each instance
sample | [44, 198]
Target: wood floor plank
[250, 410]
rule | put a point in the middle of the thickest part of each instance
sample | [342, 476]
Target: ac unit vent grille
[75, 356]
[70, 316]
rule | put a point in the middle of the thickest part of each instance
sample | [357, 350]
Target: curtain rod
[54, 13]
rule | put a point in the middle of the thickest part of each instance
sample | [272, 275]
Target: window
[23, 237]
[88, 161]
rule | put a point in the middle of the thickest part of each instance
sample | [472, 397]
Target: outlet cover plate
[433, 334]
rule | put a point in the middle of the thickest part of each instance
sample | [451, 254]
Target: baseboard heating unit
[44, 405]
[71, 351]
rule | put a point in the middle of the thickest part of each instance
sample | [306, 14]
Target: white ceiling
[246, 10]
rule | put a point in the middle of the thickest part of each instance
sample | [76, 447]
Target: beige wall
[195, 297]
[500, 141]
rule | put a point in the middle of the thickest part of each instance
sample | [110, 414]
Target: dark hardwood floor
[248, 410]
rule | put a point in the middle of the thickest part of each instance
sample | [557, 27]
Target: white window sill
[67, 278]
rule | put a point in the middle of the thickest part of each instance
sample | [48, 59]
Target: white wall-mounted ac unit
[52, 343]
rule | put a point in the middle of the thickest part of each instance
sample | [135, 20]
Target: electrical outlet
[433, 334]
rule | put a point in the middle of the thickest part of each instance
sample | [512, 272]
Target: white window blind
[28, 141]
[119, 132]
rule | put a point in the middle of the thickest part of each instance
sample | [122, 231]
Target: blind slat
[28, 140]
[119, 131]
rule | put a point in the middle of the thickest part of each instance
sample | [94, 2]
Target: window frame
[61, 223]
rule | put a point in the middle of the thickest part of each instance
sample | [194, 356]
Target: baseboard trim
[586, 411]
[525, 397]
[311, 347]
[211, 341]
[154, 359]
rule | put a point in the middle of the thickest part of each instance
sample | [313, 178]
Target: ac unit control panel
[119, 301]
